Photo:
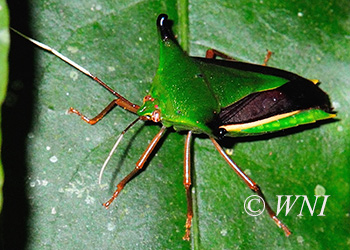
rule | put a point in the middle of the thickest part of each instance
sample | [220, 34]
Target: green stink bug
[218, 98]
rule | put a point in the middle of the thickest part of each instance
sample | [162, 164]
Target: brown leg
[267, 57]
[252, 185]
[187, 183]
[113, 104]
[213, 53]
[139, 165]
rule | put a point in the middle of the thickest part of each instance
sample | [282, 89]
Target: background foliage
[4, 48]
[52, 159]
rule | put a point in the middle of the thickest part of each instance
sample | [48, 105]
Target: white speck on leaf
[336, 105]
[320, 190]
[248, 172]
[72, 49]
[53, 159]
[53, 210]
[111, 68]
[300, 239]
[89, 199]
[74, 75]
[110, 226]
[223, 232]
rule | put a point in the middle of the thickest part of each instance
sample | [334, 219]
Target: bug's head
[150, 109]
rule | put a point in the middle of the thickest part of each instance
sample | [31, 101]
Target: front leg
[112, 105]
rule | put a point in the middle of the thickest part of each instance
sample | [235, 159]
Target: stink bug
[228, 99]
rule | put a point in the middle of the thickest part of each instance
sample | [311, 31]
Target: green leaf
[4, 47]
[117, 41]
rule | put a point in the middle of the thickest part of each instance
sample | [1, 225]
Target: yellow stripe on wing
[242, 126]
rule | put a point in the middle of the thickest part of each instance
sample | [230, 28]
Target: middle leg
[187, 184]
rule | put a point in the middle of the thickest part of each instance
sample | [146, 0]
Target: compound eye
[155, 116]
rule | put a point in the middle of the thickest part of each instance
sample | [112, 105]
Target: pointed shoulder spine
[163, 27]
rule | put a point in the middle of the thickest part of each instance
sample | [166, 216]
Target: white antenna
[78, 67]
[109, 157]
[56, 53]
[126, 105]
[113, 150]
